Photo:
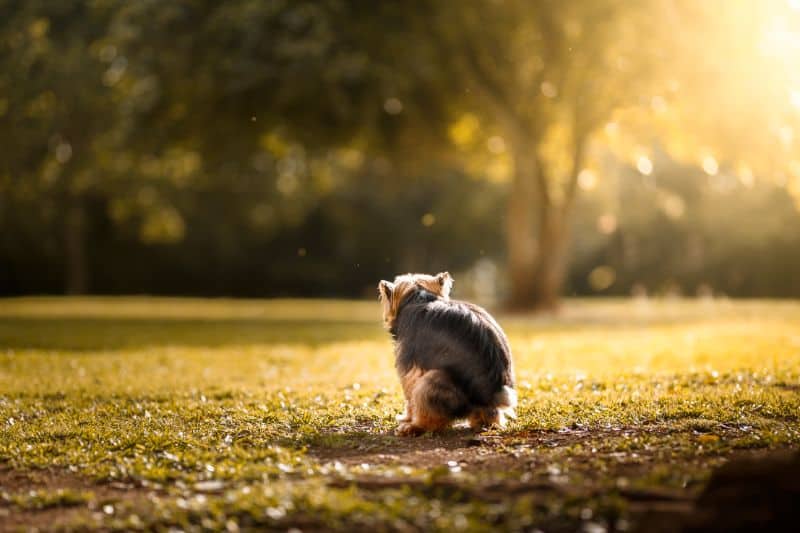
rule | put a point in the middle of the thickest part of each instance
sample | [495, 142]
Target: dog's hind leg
[505, 403]
[434, 403]
[485, 417]
[409, 380]
[405, 416]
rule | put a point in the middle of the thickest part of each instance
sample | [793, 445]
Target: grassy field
[144, 413]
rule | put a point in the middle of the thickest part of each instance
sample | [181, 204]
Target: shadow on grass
[86, 334]
[386, 446]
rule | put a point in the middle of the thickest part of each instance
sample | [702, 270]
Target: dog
[453, 359]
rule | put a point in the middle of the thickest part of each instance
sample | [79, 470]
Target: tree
[545, 75]
[56, 104]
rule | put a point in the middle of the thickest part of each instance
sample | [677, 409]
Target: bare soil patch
[54, 516]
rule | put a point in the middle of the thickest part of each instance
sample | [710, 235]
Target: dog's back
[459, 339]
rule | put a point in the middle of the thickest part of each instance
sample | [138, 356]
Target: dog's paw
[408, 430]
[509, 412]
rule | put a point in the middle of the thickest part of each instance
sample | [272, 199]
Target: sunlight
[779, 40]
[794, 98]
[644, 165]
[710, 165]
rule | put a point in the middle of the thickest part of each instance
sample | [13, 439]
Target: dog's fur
[453, 359]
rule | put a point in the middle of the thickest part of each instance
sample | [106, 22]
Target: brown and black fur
[452, 357]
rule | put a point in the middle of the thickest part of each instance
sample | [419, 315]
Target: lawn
[143, 413]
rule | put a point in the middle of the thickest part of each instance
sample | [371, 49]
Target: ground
[145, 413]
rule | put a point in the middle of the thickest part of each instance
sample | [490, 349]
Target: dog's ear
[385, 289]
[445, 281]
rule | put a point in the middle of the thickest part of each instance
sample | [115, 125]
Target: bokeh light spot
[644, 165]
[464, 130]
[602, 277]
[428, 220]
[587, 180]
[496, 144]
[674, 206]
[710, 165]
[611, 129]
[63, 152]
[548, 89]
[794, 98]
[393, 106]
[658, 104]
[607, 223]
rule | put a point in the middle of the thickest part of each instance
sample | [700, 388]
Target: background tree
[539, 78]
[56, 106]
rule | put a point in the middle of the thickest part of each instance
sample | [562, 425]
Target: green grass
[280, 413]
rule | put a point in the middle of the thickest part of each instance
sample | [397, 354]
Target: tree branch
[489, 88]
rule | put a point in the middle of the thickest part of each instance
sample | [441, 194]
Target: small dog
[453, 359]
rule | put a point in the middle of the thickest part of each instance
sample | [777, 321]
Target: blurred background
[535, 149]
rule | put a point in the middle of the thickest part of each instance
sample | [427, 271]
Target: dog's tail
[506, 402]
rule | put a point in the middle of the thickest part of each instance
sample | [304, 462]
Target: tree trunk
[76, 274]
[551, 268]
[537, 239]
[521, 235]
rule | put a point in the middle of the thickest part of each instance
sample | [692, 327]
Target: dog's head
[393, 293]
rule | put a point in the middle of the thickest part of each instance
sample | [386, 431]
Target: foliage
[273, 148]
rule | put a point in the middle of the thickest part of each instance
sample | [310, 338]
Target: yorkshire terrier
[452, 357]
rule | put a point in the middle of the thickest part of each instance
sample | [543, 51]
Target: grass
[222, 414]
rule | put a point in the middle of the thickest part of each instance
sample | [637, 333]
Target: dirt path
[542, 467]
[54, 499]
